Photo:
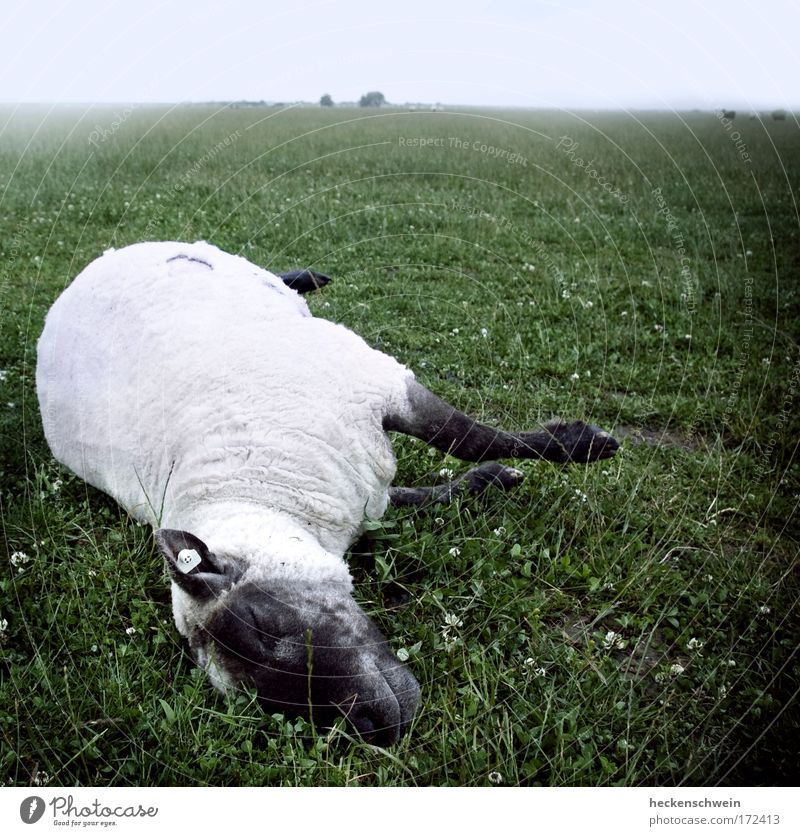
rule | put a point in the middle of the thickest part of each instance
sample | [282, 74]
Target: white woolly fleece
[197, 390]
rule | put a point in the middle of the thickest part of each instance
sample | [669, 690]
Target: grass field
[630, 623]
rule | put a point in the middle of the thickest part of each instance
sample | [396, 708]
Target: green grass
[586, 314]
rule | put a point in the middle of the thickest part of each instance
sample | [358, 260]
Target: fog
[574, 54]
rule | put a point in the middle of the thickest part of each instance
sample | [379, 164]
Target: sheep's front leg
[428, 417]
[474, 482]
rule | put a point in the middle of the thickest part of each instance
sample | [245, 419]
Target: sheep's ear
[192, 566]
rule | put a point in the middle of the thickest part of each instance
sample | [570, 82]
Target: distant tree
[326, 101]
[372, 99]
[779, 115]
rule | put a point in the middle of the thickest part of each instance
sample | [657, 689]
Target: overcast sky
[570, 54]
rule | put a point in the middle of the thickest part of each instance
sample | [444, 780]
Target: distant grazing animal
[197, 389]
[729, 114]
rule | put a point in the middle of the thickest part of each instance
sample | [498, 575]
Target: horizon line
[691, 108]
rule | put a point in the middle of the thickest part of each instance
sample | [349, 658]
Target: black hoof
[304, 281]
[603, 446]
[585, 443]
[578, 442]
[492, 475]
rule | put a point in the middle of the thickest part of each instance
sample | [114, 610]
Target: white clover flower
[439, 521]
[764, 610]
[3, 375]
[454, 332]
[495, 778]
[19, 559]
[574, 376]
[499, 532]
[446, 472]
[534, 668]
[581, 495]
[454, 552]
[645, 283]
[131, 631]
[658, 328]
[723, 692]
[57, 485]
[613, 640]
[694, 644]
[3, 625]
[624, 313]
[484, 332]
[452, 620]
[708, 578]
[676, 669]
[731, 663]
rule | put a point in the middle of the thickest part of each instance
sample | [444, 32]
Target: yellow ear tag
[187, 560]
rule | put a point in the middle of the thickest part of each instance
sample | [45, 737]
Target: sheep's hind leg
[428, 417]
[473, 482]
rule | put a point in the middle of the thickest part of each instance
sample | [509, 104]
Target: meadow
[630, 623]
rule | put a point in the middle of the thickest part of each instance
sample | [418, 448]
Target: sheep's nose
[373, 725]
[384, 719]
[406, 691]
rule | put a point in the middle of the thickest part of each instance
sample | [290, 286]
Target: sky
[618, 54]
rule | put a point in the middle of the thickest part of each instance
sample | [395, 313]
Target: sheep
[168, 376]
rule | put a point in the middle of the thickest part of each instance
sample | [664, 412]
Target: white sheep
[197, 389]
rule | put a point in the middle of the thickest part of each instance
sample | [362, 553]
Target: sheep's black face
[308, 652]
[313, 654]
